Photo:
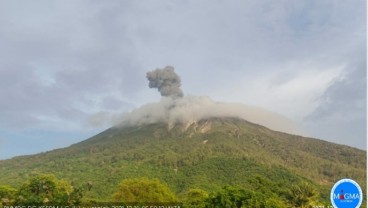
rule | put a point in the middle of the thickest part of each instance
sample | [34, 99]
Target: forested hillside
[212, 156]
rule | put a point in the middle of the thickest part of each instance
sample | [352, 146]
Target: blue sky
[62, 63]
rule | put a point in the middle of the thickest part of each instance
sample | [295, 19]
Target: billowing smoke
[175, 108]
[190, 109]
[166, 81]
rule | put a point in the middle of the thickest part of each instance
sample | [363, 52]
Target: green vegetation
[40, 190]
[257, 166]
[195, 198]
[238, 197]
[302, 195]
[7, 194]
[46, 189]
[143, 190]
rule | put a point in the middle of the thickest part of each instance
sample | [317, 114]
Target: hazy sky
[62, 63]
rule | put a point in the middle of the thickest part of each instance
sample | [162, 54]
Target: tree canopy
[7, 194]
[302, 195]
[46, 189]
[143, 190]
[195, 198]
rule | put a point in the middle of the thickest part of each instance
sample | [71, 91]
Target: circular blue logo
[346, 193]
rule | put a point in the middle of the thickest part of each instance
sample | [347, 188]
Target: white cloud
[294, 90]
[191, 109]
[63, 62]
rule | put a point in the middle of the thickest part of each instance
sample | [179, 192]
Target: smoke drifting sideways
[174, 107]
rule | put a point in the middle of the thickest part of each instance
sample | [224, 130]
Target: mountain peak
[208, 153]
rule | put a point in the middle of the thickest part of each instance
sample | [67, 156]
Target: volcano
[206, 154]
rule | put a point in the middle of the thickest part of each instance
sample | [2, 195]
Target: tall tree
[143, 190]
[195, 198]
[302, 195]
[7, 194]
[227, 197]
[45, 189]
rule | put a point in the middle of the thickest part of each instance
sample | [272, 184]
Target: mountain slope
[207, 154]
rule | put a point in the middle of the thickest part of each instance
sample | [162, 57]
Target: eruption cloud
[175, 108]
[190, 109]
[166, 81]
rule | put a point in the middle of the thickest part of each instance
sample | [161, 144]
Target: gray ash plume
[166, 81]
[175, 108]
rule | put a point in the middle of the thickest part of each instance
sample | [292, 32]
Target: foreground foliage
[237, 197]
[40, 190]
[143, 190]
[49, 190]
[302, 195]
[195, 198]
